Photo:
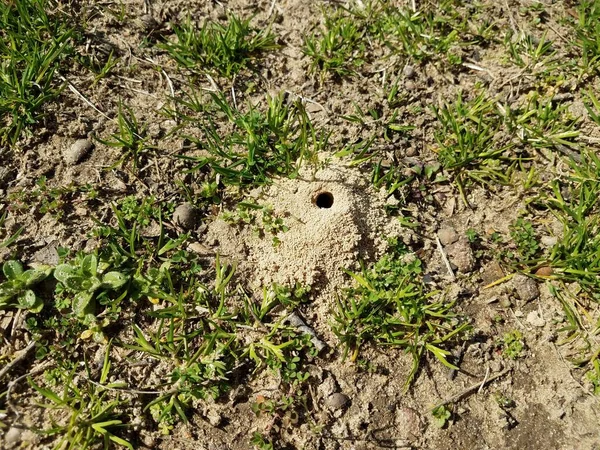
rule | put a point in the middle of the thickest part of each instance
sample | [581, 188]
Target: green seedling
[575, 255]
[16, 291]
[260, 217]
[441, 415]
[526, 51]
[421, 35]
[261, 442]
[226, 49]
[87, 281]
[587, 29]
[50, 200]
[13, 237]
[131, 138]
[593, 376]
[545, 124]
[513, 344]
[256, 145]
[523, 235]
[503, 401]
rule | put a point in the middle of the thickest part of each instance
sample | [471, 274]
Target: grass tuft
[33, 43]
[223, 48]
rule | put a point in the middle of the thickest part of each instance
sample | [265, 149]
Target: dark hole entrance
[324, 200]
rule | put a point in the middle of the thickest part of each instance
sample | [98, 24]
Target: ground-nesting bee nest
[334, 218]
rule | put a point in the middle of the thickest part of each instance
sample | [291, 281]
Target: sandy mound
[335, 218]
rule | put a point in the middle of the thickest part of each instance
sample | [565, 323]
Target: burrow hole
[323, 199]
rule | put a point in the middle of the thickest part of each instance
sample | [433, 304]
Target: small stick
[487, 374]
[73, 89]
[20, 356]
[445, 258]
[271, 9]
[297, 322]
[471, 389]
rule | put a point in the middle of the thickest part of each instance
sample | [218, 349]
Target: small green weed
[131, 138]
[389, 307]
[92, 414]
[523, 235]
[50, 200]
[261, 442]
[513, 344]
[545, 124]
[258, 145]
[441, 415]
[575, 202]
[89, 283]
[16, 291]
[421, 35]
[527, 51]
[226, 49]
[248, 214]
[593, 376]
[587, 29]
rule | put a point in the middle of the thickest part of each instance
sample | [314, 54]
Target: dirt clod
[185, 215]
[77, 151]
[491, 272]
[525, 288]
[461, 255]
[409, 423]
[337, 401]
[12, 436]
[447, 235]
[535, 319]
[409, 71]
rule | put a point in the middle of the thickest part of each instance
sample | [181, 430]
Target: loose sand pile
[335, 218]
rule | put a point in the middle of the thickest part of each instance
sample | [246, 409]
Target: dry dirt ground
[528, 396]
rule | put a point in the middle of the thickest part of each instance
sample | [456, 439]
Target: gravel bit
[13, 436]
[409, 71]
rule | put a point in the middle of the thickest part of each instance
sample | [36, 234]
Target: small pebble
[447, 235]
[185, 215]
[13, 436]
[535, 319]
[336, 401]
[545, 271]
[409, 423]
[505, 302]
[79, 150]
[549, 241]
[526, 288]
[491, 272]
[409, 71]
